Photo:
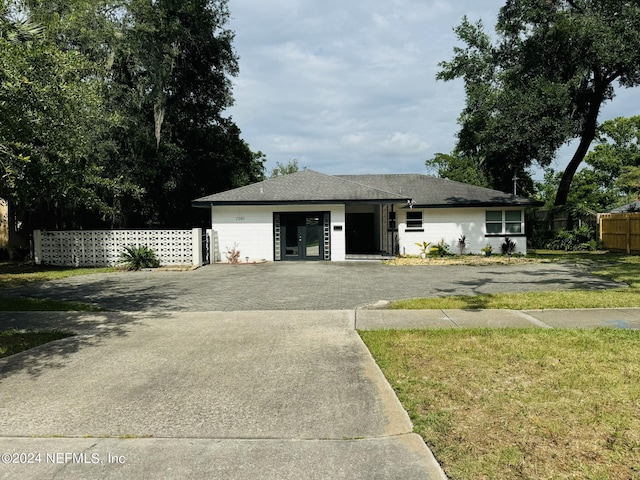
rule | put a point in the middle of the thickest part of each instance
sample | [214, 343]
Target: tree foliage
[125, 120]
[542, 82]
[611, 176]
[458, 168]
[284, 169]
[51, 115]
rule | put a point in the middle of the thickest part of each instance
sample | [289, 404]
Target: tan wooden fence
[620, 232]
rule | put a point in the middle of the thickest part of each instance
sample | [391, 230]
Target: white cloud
[349, 87]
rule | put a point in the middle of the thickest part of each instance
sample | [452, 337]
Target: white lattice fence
[94, 248]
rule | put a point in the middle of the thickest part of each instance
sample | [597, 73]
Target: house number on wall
[239, 219]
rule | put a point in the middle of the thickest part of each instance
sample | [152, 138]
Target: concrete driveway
[216, 373]
[304, 286]
[285, 395]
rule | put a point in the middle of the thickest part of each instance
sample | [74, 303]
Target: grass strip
[620, 268]
[512, 404]
[614, 298]
[28, 304]
[16, 341]
[18, 275]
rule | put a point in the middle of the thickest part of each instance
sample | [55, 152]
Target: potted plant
[487, 249]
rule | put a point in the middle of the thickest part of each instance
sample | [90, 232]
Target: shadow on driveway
[304, 285]
[89, 329]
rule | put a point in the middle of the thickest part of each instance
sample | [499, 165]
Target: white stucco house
[308, 215]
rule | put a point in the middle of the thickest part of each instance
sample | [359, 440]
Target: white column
[197, 246]
[37, 247]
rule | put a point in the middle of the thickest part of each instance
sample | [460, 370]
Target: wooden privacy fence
[620, 232]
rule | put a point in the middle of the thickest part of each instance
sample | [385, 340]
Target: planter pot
[487, 254]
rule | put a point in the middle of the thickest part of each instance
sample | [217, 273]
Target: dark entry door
[301, 236]
[360, 233]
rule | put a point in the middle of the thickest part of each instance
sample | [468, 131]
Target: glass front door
[301, 236]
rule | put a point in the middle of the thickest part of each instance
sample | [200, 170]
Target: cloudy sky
[349, 86]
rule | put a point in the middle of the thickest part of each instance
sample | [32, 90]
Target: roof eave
[476, 204]
[227, 203]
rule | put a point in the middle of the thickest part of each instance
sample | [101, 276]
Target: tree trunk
[588, 134]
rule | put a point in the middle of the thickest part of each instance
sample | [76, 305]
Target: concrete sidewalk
[375, 318]
[225, 395]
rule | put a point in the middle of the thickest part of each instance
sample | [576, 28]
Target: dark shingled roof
[630, 207]
[304, 186]
[308, 186]
[428, 191]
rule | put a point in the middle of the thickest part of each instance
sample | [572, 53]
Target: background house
[308, 215]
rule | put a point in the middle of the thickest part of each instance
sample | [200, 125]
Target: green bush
[440, 250]
[578, 239]
[137, 257]
[508, 247]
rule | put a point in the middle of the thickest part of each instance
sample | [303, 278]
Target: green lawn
[520, 404]
[515, 404]
[621, 268]
[15, 341]
[28, 304]
[16, 275]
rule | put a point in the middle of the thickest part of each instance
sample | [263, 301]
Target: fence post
[37, 247]
[197, 247]
[628, 233]
[599, 223]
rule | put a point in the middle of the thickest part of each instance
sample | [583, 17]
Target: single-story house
[308, 215]
[628, 208]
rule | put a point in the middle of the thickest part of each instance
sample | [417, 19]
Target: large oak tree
[542, 81]
[115, 116]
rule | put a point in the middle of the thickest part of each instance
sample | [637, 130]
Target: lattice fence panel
[94, 248]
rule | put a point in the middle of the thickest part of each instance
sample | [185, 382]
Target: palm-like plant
[136, 258]
[18, 30]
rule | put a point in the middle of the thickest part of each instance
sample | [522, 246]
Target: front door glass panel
[312, 236]
[291, 243]
[302, 236]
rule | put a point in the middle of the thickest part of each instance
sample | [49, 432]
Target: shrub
[137, 257]
[233, 254]
[462, 244]
[508, 247]
[441, 249]
[581, 238]
[424, 247]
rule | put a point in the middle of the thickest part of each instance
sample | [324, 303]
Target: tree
[171, 83]
[629, 181]
[284, 169]
[157, 135]
[458, 168]
[544, 80]
[50, 118]
[615, 159]
[17, 30]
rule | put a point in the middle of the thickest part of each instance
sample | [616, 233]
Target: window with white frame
[414, 221]
[504, 222]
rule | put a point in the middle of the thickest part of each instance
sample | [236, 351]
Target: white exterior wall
[251, 228]
[450, 224]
